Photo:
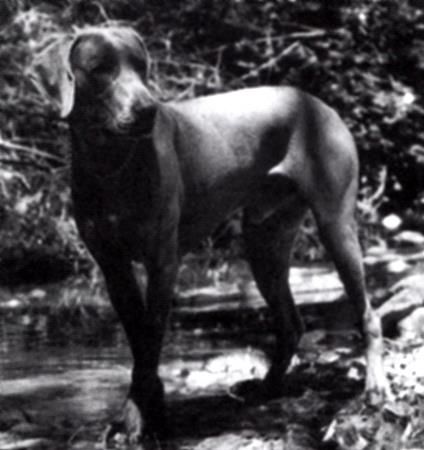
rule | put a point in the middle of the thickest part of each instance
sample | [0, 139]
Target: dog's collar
[138, 134]
[141, 127]
[116, 174]
[103, 173]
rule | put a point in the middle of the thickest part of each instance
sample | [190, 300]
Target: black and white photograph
[211, 224]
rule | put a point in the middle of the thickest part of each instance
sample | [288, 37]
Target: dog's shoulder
[262, 98]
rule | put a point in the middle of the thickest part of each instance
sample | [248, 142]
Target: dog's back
[230, 145]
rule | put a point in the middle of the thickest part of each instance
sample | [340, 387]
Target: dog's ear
[67, 93]
[52, 74]
[133, 41]
[147, 59]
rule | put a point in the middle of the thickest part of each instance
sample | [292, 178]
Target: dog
[151, 179]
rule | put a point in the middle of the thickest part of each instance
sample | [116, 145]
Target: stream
[64, 375]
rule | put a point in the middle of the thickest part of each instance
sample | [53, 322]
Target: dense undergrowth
[363, 57]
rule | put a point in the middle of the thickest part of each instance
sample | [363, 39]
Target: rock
[412, 326]
[37, 294]
[398, 266]
[13, 303]
[375, 261]
[351, 426]
[403, 366]
[404, 298]
[408, 238]
[13, 443]
[377, 250]
[417, 151]
[12, 417]
[299, 437]
[391, 222]
[414, 282]
[231, 441]
[249, 362]
[225, 370]
[31, 430]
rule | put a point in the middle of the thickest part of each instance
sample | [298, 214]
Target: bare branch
[272, 62]
[9, 145]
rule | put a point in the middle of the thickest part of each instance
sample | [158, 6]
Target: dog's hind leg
[268, 248]
[334, 209]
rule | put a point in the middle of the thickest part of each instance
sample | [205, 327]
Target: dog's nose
[125, 119]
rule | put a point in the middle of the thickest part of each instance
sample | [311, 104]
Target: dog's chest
[116, 213]
[132, 235]
[127, 219]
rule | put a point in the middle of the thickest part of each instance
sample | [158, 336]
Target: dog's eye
[104, 67]
[98, 68]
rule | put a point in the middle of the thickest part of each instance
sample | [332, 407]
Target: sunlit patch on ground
[324, 398]
[218, 373]
[398, 424]
[61, 385]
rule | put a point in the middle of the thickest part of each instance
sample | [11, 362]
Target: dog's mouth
[123, 125]
[138, 123]
[101, 116]
[130, 128]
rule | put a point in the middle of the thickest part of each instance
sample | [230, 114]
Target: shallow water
[37, 338]
[69, 391]
[64, 376]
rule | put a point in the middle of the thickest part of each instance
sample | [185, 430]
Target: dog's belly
[261, 197]
[227, 145]
[200, 221]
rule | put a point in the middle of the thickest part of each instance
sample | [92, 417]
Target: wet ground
[68, 393]
[64, 374]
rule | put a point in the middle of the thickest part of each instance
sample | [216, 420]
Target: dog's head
[101, 77]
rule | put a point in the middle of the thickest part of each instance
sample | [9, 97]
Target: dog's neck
[107, 153]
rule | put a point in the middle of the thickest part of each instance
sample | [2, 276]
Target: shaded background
[363, 57]
[64, 362]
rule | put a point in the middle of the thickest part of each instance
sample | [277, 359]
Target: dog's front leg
[144, 321]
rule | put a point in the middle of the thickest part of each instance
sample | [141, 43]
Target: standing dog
[151, 179]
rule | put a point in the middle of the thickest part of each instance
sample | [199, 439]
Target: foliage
[364, 57]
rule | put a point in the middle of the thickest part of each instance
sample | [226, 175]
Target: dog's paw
[380, 395]
[133, 422]
[377, 389]
[374, 397]
[129, 426]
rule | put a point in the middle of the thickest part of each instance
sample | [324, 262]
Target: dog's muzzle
[123, 107]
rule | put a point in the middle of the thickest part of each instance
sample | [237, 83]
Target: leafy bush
[364, 57]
